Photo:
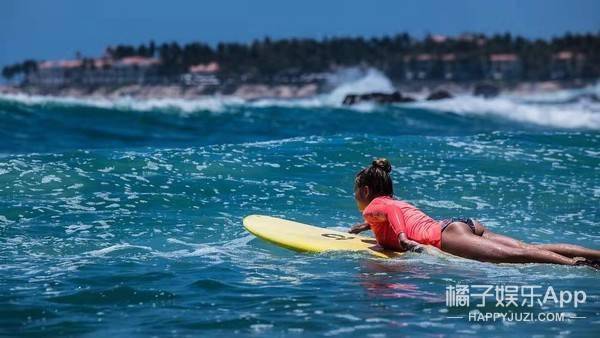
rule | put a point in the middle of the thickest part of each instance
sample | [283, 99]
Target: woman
[398, 225]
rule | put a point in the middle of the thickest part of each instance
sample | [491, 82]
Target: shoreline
[146, 92]
[259, 91]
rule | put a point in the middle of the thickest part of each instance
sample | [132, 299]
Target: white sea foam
[563, 109]
[78, 227]
[372, 81]
[349, 81]
[117, 247]
[4, 221]
[208, 103]
[345, 82]
[50, 178]
[572, 115]
[560, 96]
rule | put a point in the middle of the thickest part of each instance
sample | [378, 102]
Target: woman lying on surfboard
[400, 226]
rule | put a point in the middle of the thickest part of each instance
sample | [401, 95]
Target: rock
[439, 95]
[486, 90]
[589, 97]
[376, 97]
[350, 99]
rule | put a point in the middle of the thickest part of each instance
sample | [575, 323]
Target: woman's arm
[396, 220]
[358, 228]
[408, 244]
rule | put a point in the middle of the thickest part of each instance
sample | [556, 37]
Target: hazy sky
[57, 28]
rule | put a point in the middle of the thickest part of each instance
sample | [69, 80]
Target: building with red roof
[505, 66]
[100, 71]
[566, 64]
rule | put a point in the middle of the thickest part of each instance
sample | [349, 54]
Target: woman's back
[389, 217]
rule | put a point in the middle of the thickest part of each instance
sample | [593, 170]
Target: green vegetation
[263, 60]
[25, 67]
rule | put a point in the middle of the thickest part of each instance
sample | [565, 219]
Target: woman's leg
[570, 250]
[501, 239]
[459, 240]
[505, 240]
[567, 250]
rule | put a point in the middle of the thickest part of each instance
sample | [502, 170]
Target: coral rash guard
[389, 217]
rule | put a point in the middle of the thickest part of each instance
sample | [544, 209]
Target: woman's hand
[358, 228]
[408, 244]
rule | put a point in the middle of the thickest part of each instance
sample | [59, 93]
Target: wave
[564, 96]
[372, 81]
[564, 109]
[209, 103]
[569, 116]
[345, 82]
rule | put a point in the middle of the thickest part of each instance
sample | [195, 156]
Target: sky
[59, 28]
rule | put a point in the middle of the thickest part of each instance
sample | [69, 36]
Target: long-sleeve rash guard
[389, 217]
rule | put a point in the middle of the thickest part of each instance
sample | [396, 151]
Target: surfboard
[308, 238]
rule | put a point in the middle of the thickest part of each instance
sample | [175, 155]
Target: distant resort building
[457, 67]
[567, 65]
[202, 75]
[469, 57]
[53, 73]
[504, 67]
[95, 72]
[142, 70]
[132, 70]
[443, 66]
[419, 67]
[448, 66]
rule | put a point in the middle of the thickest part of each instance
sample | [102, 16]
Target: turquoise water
[126, 221]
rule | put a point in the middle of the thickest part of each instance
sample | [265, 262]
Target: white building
[504, 67]
[90, 72]
[202, 75]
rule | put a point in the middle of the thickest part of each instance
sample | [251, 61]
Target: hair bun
[383, 164]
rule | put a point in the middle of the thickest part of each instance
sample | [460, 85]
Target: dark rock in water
[589, 97]
[376, 97]
[439, 95]
[486, 90]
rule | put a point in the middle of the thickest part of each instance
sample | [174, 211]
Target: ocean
[123, 217]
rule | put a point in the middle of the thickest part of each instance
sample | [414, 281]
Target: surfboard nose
[246, 221]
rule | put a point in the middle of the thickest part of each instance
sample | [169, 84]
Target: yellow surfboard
[307, 238]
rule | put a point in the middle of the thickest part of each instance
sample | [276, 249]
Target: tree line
[264, 59]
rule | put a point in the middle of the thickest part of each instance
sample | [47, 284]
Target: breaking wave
[564, 109]
[570, 116]
[209, 103]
